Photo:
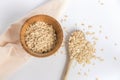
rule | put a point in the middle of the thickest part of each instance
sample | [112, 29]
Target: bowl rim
[57, 46]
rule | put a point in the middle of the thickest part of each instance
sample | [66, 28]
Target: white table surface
[89, 12]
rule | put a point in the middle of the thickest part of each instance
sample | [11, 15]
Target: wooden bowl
[49, 20]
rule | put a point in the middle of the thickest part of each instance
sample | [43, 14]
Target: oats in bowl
[40, 37]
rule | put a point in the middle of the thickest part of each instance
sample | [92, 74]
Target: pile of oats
[40, 37]
[79, 48]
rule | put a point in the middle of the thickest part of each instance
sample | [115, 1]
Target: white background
[90, 12]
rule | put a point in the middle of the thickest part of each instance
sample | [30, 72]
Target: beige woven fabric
[12, 55]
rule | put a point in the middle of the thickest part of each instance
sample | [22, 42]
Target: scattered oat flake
[98, 0]
[106, 37]
[94, 43]
[83, 29]
[115, 58]
[95, 38]
[102, 3]
[82, 24]
[61, 52]
[78, 73]
[93, 64]
[115, 44]
[64, 19]
[97, 78]
[101, 49]
[64, 27]
[100, 26]
[90, 33]
[85, 74]
[100, 31]
[65, 16]
[83, 65]
[88, 70]
[75, 24]
[89, 26]
[99, 58]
